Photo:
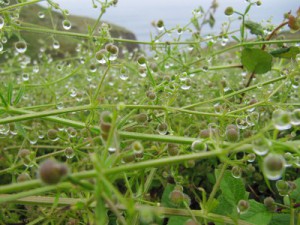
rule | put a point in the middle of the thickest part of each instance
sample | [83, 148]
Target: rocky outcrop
[38, 17]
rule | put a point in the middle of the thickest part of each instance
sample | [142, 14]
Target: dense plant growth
[196, 130]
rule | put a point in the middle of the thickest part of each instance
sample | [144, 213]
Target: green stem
[235, 93]
[216, 185]
[100, 84]
[14, 6]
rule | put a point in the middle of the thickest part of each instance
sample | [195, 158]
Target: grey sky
[137, 15]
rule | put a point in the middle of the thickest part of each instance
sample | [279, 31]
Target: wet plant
[187, 129]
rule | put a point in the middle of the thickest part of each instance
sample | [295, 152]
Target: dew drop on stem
[66, 24]
[21, 46]
[1, 22]
[281, 119]
[274, 166]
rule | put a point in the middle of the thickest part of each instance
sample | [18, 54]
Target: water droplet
[281, 119]
[186, 84]
[4, 129]
[289, 159]
[274, 166]
[56, 44]
[52, 135]
[252, 118]
[241, 123]
[101, 56]
[295, 117]
[1, 22]
[41, 15]
[25, 76]
[71, 132]
[33, 137]
[141, 61]
[162, 128]
[73, 92]
[93, 68]
[242, 206]
[123, 73]
[4, 40]
[69, 152]
[60, 105]
[251, 157]
[261, 146]
[236, 172]
[199, 146]
[21, 46]
[66, 24]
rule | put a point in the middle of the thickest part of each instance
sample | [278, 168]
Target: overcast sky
[137, 15]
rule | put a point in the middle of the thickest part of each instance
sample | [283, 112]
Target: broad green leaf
[288, 53]
[257, 214]
[177, 220]
[232, 188]
[296, 193]
[280, 219]
[256, 60]
[165, 197]
[225, 207]
[255, 28]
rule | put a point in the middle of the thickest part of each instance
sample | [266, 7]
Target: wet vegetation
[184, 129]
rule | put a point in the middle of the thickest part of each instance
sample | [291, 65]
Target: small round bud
[51, 171]
[172, 149]
[151, 95]
[204, 133]
[229, 11]
[23, 177]
[191, 222]
[176, 197]
[269, 202]
[112, 49]
[105, 121]
[141, 118]
[23, 153]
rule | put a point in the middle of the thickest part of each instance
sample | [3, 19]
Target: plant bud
[229, 11]
[51, 171]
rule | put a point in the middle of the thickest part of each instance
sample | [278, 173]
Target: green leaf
[287, 53]
[255, 28]
[3, 100]
[177, 220]
[256, 60]
[19, 95]
[257, 214]
[9, 93]
[165, 201]
[233, 189]
[279, 219]
[296, 193]
[211, 20]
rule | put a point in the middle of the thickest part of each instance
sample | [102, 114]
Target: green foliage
[232, 190]
[136, 135]
[256, 60]
[257, 214]
[255, 28]
[288, 53]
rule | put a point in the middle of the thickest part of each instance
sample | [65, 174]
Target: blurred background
[137, 15]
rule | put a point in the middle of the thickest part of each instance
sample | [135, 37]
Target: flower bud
[51, 171]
